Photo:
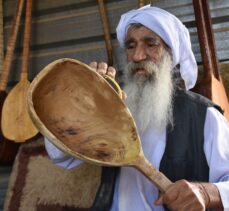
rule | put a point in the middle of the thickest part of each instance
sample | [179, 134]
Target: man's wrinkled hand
[103, 69]
[183, 196]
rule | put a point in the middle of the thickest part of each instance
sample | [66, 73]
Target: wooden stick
[106, 31]
[26, 41]
[204, 31]
[16, 123]
[211, 84]
[1, 36]
[11, 46]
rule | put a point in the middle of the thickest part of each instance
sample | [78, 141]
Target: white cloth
[134, 192]
[171, 30]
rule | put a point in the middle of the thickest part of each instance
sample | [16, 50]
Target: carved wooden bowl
[80, 113]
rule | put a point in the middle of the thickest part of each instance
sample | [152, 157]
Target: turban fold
[171, 30]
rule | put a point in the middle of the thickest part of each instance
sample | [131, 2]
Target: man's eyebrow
[128, 41]
[146, 38]
[154, 39]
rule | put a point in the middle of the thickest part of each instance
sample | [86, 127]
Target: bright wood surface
[16, 123]
[11, 46]
[81, 114]
[219, 95]
[9, 149]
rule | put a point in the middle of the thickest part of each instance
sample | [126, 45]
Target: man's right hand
[103, 69]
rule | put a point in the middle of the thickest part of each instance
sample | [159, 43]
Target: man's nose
[139, 54]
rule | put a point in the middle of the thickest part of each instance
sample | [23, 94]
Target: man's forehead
[142, 30]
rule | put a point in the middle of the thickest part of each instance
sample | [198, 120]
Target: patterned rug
[36, 184]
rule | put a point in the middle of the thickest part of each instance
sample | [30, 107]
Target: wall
[73, 29]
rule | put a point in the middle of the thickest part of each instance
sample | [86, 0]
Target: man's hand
[184, 195]
[103, 69]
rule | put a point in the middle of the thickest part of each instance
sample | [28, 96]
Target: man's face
[148, 79]
[143, 44]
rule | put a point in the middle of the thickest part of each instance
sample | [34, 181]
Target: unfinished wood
[1, 37]
[82, 115]
[16, 123]
[219, 95]
[8, 150]
[106, 30]
[211, 85]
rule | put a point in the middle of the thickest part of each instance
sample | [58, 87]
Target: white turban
[171, 30]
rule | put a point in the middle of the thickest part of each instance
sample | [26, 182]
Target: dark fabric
[183, 141]
[186, 139]
[104, 195]
[57, 207]
[184, 156]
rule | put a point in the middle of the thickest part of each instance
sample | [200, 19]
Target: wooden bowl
[81, 114]
[77, 110]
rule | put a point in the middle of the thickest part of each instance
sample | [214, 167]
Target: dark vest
[184, 156]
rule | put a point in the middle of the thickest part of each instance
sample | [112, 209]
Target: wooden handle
[11, 46]
[206, 39]
[106, 31]
[1, 37]
[26, 41]
[156, 177]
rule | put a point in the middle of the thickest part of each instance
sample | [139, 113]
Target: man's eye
[153, 44]
[130, 46]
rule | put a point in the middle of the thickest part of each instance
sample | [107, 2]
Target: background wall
[73, 29]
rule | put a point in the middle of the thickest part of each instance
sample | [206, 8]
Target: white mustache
[150, 101]
[149, 66]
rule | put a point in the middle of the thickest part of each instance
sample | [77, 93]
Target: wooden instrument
[106, 30]
[77, 109]
[211, 84]
[9, 149]
[16, 122]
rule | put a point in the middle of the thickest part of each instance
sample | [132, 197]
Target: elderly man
[183, 134]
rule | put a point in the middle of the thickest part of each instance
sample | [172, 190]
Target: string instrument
[16, 123]
[211, 84]
[9, 149]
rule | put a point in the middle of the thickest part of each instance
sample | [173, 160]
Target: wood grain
[16, 123]
[82, 114]
[9, 149]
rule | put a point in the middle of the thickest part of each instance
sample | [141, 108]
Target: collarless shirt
[133, 191]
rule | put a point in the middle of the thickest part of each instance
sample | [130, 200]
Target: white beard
[149, 98]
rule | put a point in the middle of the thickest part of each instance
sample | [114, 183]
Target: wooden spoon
[16, 123]
[77, 109]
